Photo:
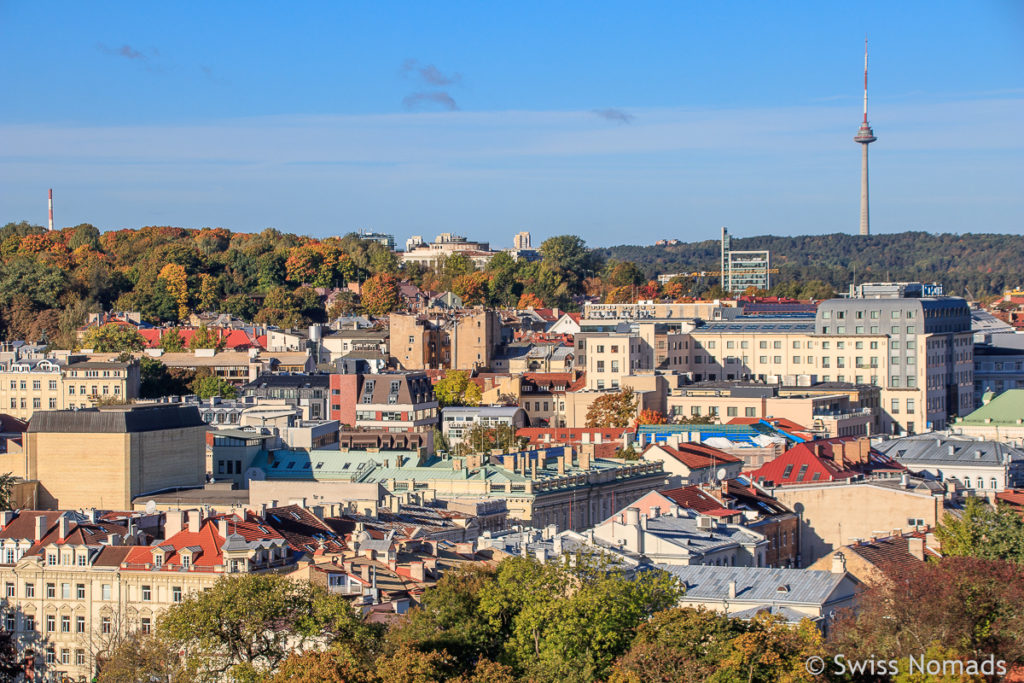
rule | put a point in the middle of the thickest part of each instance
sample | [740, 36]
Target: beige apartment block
[106, 457]
[833, 515]
[52, 384]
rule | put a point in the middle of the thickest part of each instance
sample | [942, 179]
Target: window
[30, 590]
[763, 359]
[80, 589]
[147, 594]
[51, 589]
[30, 622]
[176, 594]
[65, 655]
[105, 625]
[9, 589]
[105, 591]
[9, 622]
[788, 471]
[147, 625]
[53, 404]
[186, 562]
[895, 406]
[53, 385]
[79, 624]
[910, 406]
[65, 623]
[80, 657]
[995, 483]
[51, 655]
[51, 623]
[732, 411]
[750, 411]
[763, 345]
[65, 591]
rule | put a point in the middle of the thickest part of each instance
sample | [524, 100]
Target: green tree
[771, 650]
[245, 625]
[611, 411]
[456, 389]
[205, 338]
[171, 341]
[983, 531]
[211, 385]
[141, 657]
[113, 338]
[481, 439]
[7, 491]
[569, 258]
[156, 380]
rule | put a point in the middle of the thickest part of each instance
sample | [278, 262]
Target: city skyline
[667, 123]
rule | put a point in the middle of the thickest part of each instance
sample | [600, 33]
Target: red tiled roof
[819, 461]
[207, 539]
[693, 498]
[696, 456]
[892, 555]
[234, 340]
[300, 528]
[1014, 497]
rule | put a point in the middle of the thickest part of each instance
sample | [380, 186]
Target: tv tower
[865, 136]
[51, 209]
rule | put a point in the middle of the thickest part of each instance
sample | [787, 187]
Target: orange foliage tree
[176, 281]
[529, 299]
[651, 417]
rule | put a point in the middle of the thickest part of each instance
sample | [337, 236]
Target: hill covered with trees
[985, 264]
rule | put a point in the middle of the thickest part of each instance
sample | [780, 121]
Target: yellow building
[54, 384]
[78, 589]
[106, 457]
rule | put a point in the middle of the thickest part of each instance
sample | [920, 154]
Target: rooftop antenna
[51, 208]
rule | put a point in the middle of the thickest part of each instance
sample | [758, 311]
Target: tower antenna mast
[865, 136]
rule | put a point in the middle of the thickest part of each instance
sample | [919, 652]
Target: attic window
[788, 471]
[801, 473]
[319, 465]
[291, 465]
[782, 589]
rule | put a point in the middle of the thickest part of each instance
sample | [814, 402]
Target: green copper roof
[1005, 409]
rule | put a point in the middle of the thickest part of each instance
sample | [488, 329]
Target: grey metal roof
[757, 584]
[116, 419]
[929, 450]
[752, 326]
[684, 533]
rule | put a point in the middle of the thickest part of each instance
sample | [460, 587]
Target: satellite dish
[720, 474]
[150, 507]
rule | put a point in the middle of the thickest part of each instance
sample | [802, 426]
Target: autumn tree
[208, 295]
[772, 650]
[456, 389]
[174, 280]
[113, 338]
[620, 295]
[472, 288]
[679, 644]
[529, 300]
[650, 416]
[613, 410]
[973, 607]
[480, 438]
[380, 295]
[343, 303]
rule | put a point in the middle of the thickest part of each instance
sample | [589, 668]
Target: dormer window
[186, 561]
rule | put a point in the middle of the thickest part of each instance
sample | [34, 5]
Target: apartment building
[461, 340]
[919, 351]
[29, 385]
[307, 393]
[77, 591]
[391, 402]
[457, 420]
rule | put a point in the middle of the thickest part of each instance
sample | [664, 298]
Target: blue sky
[619, 122]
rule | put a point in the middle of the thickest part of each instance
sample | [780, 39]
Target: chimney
[41, 527]
[915, 546]
[6, 517]
[674, 510]
[173, 522]
[540, 555]
[905, 480]
[195, 519]
[561, 464]
[456, 464]
[113, 539]
[92, 514]
[508, 462]
[416, 572]
[64, 526]
[838, 563]
[222, 527]
[586, 453]
[633, 516]
[732, 590]
[655, 511]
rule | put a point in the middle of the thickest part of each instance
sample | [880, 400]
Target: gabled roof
[934, 450]
[824, 460]
[759, 584]
[695, 456]
[304, 531]
[206, 544]
[891, 555]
